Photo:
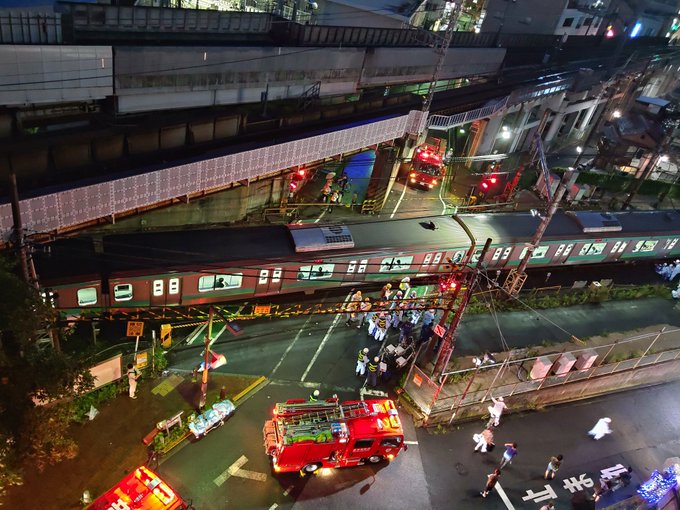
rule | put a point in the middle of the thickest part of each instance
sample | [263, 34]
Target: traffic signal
[292, 185]
[488, 182]
[449, 283]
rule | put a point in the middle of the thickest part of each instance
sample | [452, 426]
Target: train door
[356, 270]
[166, 291]
[269, 281]
[431, 262]
[562, 252]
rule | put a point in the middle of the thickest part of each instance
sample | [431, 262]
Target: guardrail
[446, 122]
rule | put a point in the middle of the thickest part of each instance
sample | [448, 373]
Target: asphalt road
[438, 471]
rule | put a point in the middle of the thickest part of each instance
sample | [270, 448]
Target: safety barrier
[446, 122]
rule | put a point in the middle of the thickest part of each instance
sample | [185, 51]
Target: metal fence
[446, 122]
[513, 375]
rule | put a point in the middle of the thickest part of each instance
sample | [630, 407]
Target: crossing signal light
[301, 173]
[448, 284]
[293, 185]
[487, 182]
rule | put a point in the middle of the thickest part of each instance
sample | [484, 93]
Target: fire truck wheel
[374, 459]
[311, 468]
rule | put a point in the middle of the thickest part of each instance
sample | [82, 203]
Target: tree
[36, 383]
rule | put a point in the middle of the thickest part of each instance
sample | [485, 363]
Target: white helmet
[365, 350]
[316, 393]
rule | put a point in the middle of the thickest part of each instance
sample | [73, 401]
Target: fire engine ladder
[310, 413]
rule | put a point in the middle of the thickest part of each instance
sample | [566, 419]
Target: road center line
[504, 496]
[288, 490]
[325, 339]
[290, 346]
[274, 505]
[403, 192]
[441, 187]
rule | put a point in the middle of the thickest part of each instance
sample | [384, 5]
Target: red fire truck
[427, 169]
[142, 489]
[306, 436]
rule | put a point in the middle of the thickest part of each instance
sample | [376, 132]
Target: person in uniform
[362, 360]
[372, 378]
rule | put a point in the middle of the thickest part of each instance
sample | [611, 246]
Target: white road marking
[218, 334]
[410, 442]
[235, 470]
[504, 496]
[441, 187]
[321, 215]
[323, 342]
[196, 333]
[274, 505]
[288, 490]
[398, 202]
[290, 346]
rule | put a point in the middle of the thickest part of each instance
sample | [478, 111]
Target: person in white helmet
[314, 397]
[496, 410]
[362, 360]
[600, 429]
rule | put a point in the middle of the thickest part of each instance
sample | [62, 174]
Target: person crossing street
[372, 379]
[362, 360]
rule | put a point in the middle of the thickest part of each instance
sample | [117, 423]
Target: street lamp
[505, 134]
[616, 114]
[579, 149]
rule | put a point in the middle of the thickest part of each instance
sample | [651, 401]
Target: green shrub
[81, 405]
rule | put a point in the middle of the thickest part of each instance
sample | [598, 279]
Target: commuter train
[134, 271]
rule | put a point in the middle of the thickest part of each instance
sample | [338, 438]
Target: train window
[437, 258]
[458, 257]
[506, 253]
[276, 275]
[559, 250]
[362, 266]
[351, 266]
[394, 264]
[645, 246]
[264, 276]
[592, 249]
[475, 256]
[316, 272]
[122, 292]
[670, 243]
[173, 286]
[219, 282]
[87, 296]
[616, 247]
[158, 287]
[497, 254]
[427, 259]
[568, 249]
[622, 247]
[539, 252]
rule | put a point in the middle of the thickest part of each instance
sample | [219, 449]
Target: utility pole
[516, 278]
[652, 162]
[448, 344]
[19, 228]
[206, 361]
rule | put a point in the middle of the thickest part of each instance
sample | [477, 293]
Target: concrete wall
[338, 14]
[525, 16]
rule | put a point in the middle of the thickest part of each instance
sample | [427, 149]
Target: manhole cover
[461, 469]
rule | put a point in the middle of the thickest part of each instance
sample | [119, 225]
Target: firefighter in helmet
[372, 379]
[314, 397]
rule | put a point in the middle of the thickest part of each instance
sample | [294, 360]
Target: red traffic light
[300, 174]
[293, 185]
[493, 179]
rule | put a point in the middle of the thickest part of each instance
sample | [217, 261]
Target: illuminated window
[219, 282]
[475, 256]
[264, 276]
[427, 259]
[506, 253]
[316, 272]
[592, 249]
[173, 286]
[644, 246]
[437, 258]
[351, 266]
[622, 247]
[539, 252]
[362, 266]
[157, 288]
[122, 292]
[395, 264]
[276, 275]
[616, 247]
[87, 296]
[559, 250]
[568, 249]
[458, 257]
[669, 244]
[497, 254]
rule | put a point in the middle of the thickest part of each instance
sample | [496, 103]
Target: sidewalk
[111, 445]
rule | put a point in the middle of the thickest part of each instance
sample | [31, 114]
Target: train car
[135, 271]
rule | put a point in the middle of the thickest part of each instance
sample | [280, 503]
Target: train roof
[154, 250]
[186, 249]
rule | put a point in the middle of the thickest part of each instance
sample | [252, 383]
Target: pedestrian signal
[487, 182]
